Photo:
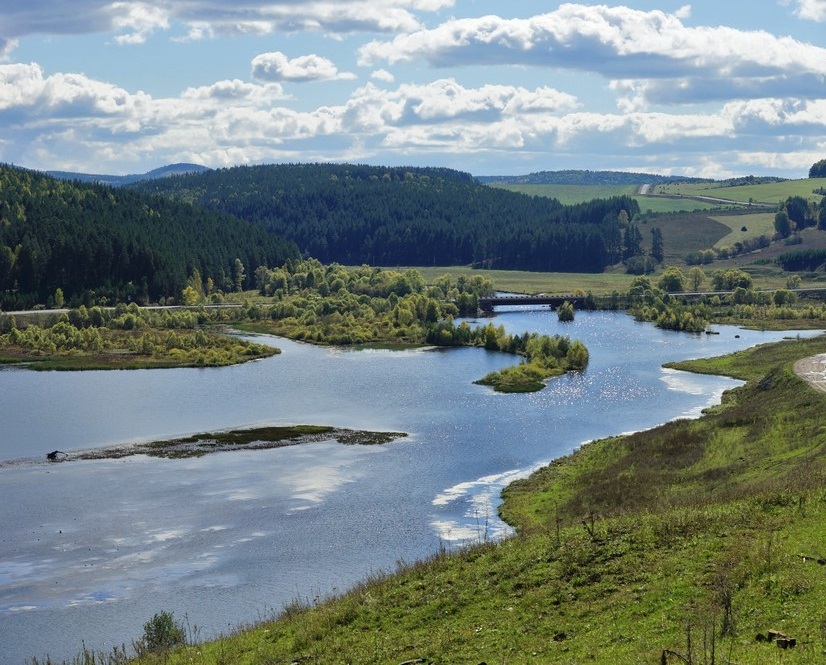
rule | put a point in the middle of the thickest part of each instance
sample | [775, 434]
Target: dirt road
[813, 369]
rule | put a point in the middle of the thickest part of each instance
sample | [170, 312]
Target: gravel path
[813, 369]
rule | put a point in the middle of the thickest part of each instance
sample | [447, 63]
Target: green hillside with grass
[686, 543]
[573, 194]
[768, 192]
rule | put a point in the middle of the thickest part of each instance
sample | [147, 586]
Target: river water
[90, 550]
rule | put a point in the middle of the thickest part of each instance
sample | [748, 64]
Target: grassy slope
[757, 224]
[685, 233]
[771, 192]
[625, 547]
[519, 281]
[570, 194]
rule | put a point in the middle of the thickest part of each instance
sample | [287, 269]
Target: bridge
[487, 304]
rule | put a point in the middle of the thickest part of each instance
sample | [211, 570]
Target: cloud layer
[483, 93]
[658, 58]
[133, 22]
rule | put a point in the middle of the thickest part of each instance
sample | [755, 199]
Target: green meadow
[769, 193]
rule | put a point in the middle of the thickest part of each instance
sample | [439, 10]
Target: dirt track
[813, 369]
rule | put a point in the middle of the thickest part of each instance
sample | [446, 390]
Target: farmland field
[770, 192]
[571, 194]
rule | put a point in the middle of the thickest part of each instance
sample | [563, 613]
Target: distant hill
[603, 178]
[91, 240]
[357, 214]
[120, 180]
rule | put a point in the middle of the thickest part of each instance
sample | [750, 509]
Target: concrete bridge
[487, 304]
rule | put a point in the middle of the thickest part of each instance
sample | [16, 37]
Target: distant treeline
[588, 178]
[802, 259]
[119, 180]
[91, 241]
[409, 216]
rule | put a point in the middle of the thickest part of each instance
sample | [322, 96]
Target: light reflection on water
[90, 550]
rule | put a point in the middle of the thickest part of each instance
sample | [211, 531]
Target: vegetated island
[127, 337]
[257, 438]
[545, 357]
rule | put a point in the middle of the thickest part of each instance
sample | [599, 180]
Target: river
[90, 550]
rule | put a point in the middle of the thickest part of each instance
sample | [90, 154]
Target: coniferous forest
[409, 216]
[92, 242]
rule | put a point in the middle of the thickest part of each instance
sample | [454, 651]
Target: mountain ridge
[180, 168]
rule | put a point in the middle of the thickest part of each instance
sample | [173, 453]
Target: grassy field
[755, 225]
[570, 194]
[771, 193]
[663, 204]
[520, 281]
[686, 232]
[765, 276]
[693, 538]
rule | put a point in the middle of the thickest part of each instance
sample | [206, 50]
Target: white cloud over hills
[581, 86]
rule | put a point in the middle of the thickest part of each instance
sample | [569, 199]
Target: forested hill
[588, 178]
[408, 216]
[119, 180]
[118, 243]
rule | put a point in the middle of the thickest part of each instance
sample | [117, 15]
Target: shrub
[161, 633]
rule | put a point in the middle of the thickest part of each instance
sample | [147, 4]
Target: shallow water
[90, 550]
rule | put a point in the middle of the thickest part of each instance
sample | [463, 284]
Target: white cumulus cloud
[138, 19]
[812, 10]
[667, 61]
[278, 67]
[383, 75]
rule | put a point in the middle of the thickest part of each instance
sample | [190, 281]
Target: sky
[712, 89]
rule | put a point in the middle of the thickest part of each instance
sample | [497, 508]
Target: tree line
[91, 242]
[355, 214]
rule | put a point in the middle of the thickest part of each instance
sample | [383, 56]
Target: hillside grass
[769, 193]
[685, 233]
[572, 194]
[694, 537]
[765, 276]
[756, 225]
[523, 281]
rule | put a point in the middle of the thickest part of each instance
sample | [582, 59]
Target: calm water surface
[90, 550]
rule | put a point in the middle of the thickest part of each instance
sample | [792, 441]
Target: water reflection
[90, 550]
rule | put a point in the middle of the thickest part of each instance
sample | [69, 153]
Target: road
[813, 370]
[63, 310]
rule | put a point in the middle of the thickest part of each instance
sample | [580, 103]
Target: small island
[545, 357]
[258, 438]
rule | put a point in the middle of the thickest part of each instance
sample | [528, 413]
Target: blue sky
[713, 88]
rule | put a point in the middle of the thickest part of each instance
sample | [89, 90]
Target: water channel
[90, 550]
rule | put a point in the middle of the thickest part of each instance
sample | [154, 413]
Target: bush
[161, 633]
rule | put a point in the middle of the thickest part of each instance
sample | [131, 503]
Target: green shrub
[161, 633]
